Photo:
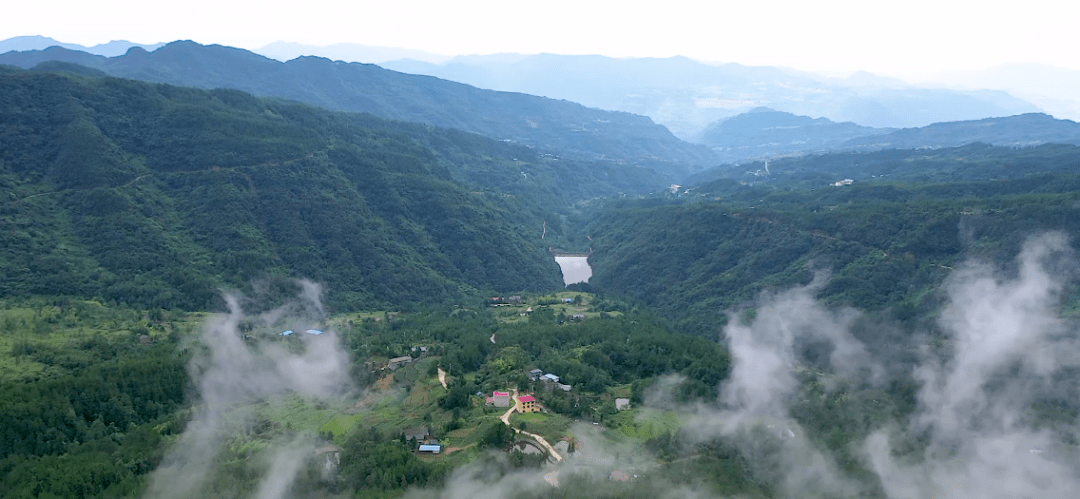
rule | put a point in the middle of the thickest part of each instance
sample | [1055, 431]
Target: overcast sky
[895, 38]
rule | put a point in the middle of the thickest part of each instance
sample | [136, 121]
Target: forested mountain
[159, 195]
[551, 126]
[763, 132]
[887, 240]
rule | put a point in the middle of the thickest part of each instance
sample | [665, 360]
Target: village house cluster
[551, 380]
[422, 437]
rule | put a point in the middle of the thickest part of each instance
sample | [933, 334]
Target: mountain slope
[885, 242]
[564, 128]
[160, 195]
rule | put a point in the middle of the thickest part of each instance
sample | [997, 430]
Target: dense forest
[885, 245]
[158, 195]
[209, 294]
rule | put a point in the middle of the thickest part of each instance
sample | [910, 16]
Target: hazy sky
[836, 36]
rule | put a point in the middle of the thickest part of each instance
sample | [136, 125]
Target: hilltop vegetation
[885, 242]
[552, 126]
[159, 195]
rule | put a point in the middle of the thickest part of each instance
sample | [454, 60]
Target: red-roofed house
[501, 399]
[527, 404]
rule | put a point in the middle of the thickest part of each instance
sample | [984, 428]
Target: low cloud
[762, 377]
[232, 370]
[1009, 350]
[1006, 348]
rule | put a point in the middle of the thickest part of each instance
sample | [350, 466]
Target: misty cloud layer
[1010, 349]
[1006, 348]
[230, 372]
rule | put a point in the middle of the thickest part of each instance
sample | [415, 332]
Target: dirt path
[442, 377]
[506, 417]
[455, 449]
[540, 440]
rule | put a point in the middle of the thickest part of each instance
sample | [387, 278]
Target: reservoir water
[574, 268]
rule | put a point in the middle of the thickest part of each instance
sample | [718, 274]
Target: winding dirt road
[540, 440]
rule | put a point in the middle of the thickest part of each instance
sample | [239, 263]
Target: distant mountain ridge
[686, 95]
[1021, 130]
[110, 49]
[1049, 87]
[763, 132]
[549, 125]
[347, 52]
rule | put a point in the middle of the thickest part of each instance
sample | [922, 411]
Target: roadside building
[527, 404]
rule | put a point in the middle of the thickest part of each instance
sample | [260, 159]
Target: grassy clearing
[645, 424]
[552, 427]
[341, 425]
[530, 417]
[297, 414]
[472, 434]
[556, 302]
[423, 396]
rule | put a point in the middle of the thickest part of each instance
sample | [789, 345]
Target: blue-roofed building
[432, 448]
[287, 333]
[315, 332]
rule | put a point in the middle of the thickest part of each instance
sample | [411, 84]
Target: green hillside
[158, 195]
[886, 241]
